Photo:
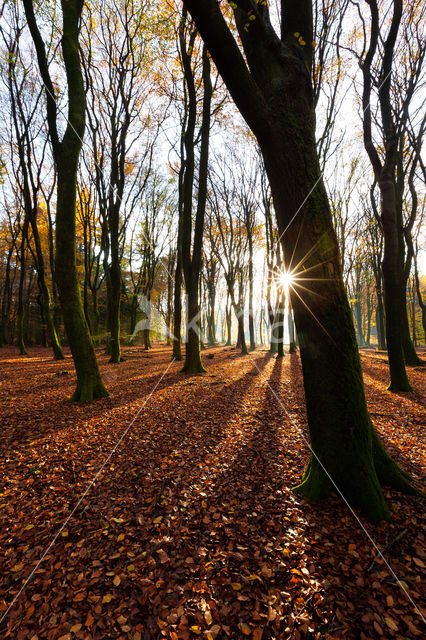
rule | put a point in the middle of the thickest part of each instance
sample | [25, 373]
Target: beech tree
[272, 87]
[192, 248]
[66, 152]
[384, 133]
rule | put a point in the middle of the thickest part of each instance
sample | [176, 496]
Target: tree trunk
[177, 315]
[280, 331]
[211, 321]
[292, 340]
[228, 326]
[273, 327]
[380, 323]
[66, 153]
[147, 324]
[241, 342]
[6, 297]
[250, 279]
[95, 311]
[22, 270]
[193, 362]
[27, 311]
[261, 326]
[169, 313]
[43, 326]
[393, 280]
[413, 315]
[369, 314]
[192, 264]
[114, 306]
[342, 436]
[410, 355]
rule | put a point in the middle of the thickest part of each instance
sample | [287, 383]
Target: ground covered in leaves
[166, 510]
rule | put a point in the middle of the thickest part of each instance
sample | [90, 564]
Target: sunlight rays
[296, 279]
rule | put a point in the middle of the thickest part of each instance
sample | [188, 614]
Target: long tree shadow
[376, 374]
[25, 421]
[241, 523]
[171, 431]
[246, 517]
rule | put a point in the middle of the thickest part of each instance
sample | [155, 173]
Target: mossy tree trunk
[273, 91]
[66, 153]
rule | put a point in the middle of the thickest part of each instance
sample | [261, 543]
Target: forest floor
[166, 510]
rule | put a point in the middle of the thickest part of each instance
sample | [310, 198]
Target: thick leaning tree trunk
[66, 154]
[274, 94]
[342, 436]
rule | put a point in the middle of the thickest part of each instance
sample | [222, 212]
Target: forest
[212, 319]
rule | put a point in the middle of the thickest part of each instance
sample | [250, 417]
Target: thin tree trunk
[228, 325]
[292, 340]
[177, 315]
[393, 280]
[410, 355]
[250, 279]
[192, 264]
[5, 306]
[21, 311]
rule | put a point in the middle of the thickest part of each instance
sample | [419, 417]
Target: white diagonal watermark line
[85, 492]
[366, 532]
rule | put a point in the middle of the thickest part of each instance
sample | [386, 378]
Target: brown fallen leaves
[191, 528]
